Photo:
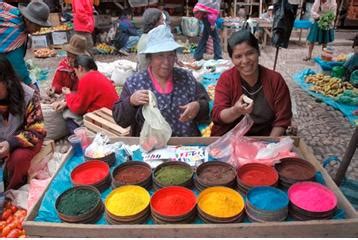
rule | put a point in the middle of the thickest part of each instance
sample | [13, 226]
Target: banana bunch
[105, 48]
[327, 85]
[207, 131]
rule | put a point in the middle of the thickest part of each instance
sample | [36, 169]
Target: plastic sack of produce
[55, 124]
[221, 149]
[156, 130]
[190, 26]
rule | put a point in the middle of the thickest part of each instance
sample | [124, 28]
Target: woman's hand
[59, 106]
[4, 149]
[66, 90]
[190, 111]
[139, 97]
[243, 107]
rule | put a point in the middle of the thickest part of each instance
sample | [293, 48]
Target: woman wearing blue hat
[182, 101]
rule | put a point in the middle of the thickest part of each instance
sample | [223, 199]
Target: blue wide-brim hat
[160, 39]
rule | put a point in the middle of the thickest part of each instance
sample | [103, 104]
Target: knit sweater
[228, 91]
[94, 91]
[30, 128]
[64, 77]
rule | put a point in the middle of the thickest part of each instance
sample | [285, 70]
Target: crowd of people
[182, 100]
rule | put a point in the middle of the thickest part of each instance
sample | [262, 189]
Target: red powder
[173, 201]
[90, 172]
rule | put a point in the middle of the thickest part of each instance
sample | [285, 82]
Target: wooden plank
[97, 129]
[316, 228]
[325, 228]
[106, 124]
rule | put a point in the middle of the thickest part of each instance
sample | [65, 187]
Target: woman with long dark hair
[21, 126]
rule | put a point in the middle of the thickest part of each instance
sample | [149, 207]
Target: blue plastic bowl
[304, 24]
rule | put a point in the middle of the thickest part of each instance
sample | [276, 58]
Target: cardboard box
[40, 41]
[60, 37]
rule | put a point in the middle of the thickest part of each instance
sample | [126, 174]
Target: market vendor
[182, 101]
[65, 75]
[15, 25]
[94, 91]
[22, 125]
[271, 105]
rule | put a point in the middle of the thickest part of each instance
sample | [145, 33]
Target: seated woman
[22, 127]
[65, 74]
[94, 91]
[271, 106]
[182, 101]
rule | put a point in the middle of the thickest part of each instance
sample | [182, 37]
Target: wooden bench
[102, 121]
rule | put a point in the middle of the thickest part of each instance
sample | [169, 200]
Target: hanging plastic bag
[221, 149]
[156, 130]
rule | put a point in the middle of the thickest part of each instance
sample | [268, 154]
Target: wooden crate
[316, 228]
[102, 121]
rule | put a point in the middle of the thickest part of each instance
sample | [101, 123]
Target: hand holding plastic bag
[156, 130]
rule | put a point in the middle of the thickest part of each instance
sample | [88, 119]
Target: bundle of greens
[325, 21]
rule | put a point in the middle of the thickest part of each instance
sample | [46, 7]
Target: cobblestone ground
[323, 128]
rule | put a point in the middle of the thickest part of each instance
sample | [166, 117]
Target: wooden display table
[316, 228]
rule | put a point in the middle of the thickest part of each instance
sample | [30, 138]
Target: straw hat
[37, 12]
[77, 45]
[160, 39]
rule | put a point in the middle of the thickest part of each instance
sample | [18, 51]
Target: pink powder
[312, 197]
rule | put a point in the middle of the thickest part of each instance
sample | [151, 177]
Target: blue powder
[267, 198]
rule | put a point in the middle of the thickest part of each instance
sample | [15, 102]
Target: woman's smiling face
[245, 58]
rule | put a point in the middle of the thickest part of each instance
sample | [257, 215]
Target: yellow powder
[221, 202]
[127, 200]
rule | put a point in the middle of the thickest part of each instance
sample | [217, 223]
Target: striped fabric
[12, 28]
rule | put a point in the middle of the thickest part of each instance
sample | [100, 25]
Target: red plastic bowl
[173, 201]
[312, 197]
[257, 174]
[90, 173]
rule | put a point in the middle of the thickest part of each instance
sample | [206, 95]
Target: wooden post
[276, 56]
[347, 158]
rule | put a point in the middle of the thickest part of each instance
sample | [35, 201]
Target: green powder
[173, 175]
[77, 202]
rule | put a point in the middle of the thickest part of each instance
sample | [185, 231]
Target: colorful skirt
[317, 35]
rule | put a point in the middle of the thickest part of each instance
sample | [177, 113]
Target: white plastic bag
[121, 73]
[274, 149]
[190, 26]
[156, 130]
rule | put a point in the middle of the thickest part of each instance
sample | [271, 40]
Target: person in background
[94, 91]
[316, 34]
[166, 16]
[208, 11]
[152, 17]
[270, 108]
[65, 75]
[129, 34]
[351, 65]
[22, 129]
[182, 100]
[259, 31]
[83, 20]
[15, 25]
